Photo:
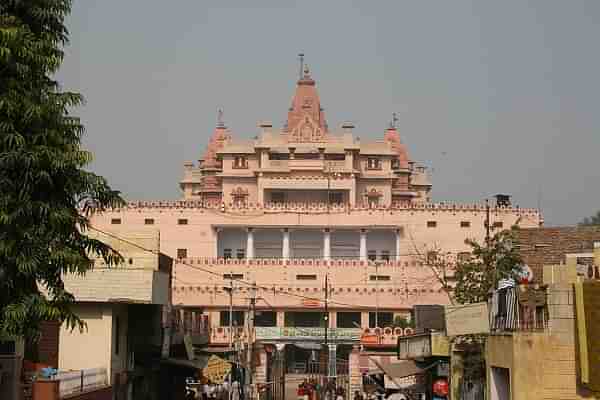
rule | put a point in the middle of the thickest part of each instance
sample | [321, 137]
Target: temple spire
[306, 102]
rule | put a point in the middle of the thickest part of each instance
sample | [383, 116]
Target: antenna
[394, 122]
[301, 57]
[220, 123]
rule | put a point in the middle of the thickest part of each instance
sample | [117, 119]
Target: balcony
[383, 336]
[190, 323]
[523, 308]
[72, 383]
[315, 333]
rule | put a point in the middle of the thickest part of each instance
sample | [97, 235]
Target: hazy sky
[495, 96]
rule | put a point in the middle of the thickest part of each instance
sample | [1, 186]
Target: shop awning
[308, 346]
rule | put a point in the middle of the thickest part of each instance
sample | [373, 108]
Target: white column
[397, 244]
[363, 245]
[285, 252]
[250, 244]
[327, 244]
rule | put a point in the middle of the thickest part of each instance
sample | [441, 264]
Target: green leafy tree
[497, 259]
[46, 195]
[593, 220]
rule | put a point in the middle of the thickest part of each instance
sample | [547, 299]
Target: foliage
[593, 220]
[47, 196]
[477, 276]
[403, 322]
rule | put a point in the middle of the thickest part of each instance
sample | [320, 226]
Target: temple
[305, 162]
[270, 220]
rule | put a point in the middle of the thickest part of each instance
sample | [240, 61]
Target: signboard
[587, 302]
[311, 303]
[443, 369]
[276, 333]
[216, 369]
[467, 319]
[404, 382]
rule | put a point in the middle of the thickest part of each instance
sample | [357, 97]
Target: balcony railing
[193, 323]
[520, 308]
[73, 382]
[315, 333]
[323, 207]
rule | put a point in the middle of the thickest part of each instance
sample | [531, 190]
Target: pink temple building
[285, 210]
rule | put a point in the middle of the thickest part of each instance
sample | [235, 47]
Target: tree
[478, 275]
[46, 195]
[593, 220]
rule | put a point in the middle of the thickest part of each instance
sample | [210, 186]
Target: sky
[494, 96]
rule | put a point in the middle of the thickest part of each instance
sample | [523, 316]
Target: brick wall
[547, 246]
[48, 344]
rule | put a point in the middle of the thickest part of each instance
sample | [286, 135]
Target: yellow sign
[587, 302]
[216, 369]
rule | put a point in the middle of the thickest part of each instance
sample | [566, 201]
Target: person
[357, 395]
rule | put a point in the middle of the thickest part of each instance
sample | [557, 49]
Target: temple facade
[270, 220]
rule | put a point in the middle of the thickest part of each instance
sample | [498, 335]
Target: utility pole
[250, 336]
[487, 222]
[229, 289]
[376, 295]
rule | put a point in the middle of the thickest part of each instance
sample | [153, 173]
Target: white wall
[92, 347]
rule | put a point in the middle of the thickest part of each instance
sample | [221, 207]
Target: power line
[266, 288]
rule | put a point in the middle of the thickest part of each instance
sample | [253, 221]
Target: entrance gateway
[298, 353]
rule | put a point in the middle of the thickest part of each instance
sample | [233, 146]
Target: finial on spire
[306, 71]
[301, 57]
[220, 123]
[394, 121]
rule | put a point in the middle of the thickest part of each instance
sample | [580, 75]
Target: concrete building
[277, 215]
[122, 308]
[539, 356]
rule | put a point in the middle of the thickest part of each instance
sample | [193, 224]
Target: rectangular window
[335, 157]
[373, 163]
[465, 224]
[279, 156]
[395, 163]
[117, 335]
[498, 224]
[306, 277]
[226, 253]
[379, 277]
[182, 221]
[348, 320]
[238, 318]
[385, 255]
[265, 318]
[431, 224]
[304, 319]
[277, 197]
[240, 254]
[181, 253]
[372, 255]
[240, 162]
[149, 221]
[336, 198]
[384, 319]
[233, 276]
[8, 347]
[115, 221]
